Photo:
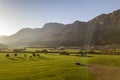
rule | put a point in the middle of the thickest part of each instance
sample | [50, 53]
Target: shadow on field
[21, 58]
[38, 58]
[81, 56]
[86, 56]
[79, 64]
[12, 59]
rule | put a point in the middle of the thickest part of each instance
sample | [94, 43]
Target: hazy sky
[18, 14]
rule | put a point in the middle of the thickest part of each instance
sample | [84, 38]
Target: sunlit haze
[18, 14]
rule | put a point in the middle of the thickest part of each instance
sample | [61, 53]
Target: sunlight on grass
[48, 67]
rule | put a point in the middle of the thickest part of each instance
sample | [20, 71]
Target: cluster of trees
[25, 55]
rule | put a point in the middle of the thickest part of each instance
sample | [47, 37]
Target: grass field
[48, 67]
[105, 67]
[55, 67]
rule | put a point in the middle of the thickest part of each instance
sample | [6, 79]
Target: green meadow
[47, 67]
[58, 67]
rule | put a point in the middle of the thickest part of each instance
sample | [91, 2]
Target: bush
[64, 53]
[37, 51]
[44, 51]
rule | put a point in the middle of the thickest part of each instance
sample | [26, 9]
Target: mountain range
[102, 30]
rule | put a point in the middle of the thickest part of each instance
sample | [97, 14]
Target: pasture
[47, 67]
[105, 67]
[52, 66]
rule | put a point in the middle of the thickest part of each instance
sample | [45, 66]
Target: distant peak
[53, 25]
[24, 30]
[117, 11]
[103, 14]
[78, 22]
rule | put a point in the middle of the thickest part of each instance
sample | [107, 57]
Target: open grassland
[59, 67]
[47, 67]
[105, 67]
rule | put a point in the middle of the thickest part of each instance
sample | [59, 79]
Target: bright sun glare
[4, 27]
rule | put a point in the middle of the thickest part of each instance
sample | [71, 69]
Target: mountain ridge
[101, 30]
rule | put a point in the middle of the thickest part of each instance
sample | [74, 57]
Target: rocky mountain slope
[102, 30]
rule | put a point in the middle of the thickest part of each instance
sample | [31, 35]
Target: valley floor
[105, 67]
[47, 67]
[105, 72]
[59, 67]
